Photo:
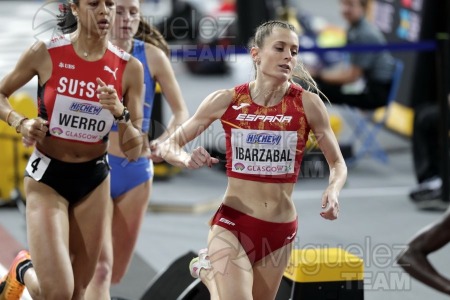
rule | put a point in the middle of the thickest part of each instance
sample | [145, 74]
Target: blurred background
[208, 40]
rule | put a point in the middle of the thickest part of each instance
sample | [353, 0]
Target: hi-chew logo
[264, 138]
[85, 108]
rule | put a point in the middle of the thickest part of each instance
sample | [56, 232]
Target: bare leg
[268, 272]
[99, 287]
[88, 223]
[125, 214]
[207, 278]
[231, 276]
[48, 239]
[129, 212]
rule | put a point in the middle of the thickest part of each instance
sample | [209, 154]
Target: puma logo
[237, 107]
[108, 69]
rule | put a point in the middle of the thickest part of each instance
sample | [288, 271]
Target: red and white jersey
[265, 143]
[69, 100]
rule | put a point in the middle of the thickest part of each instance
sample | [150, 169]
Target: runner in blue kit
[131, 182]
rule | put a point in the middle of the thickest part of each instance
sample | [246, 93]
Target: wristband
[18, 124]
[7, 116]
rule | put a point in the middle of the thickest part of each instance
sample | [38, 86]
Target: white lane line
[356, 192]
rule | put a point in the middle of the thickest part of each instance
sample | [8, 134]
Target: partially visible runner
[82, 80]
[415, 261]
[131, 181]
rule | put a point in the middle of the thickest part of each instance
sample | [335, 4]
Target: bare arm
[130, 133]
[414, 259]
[163, 73]
[34, 61]
[318, 120]
[211, 109]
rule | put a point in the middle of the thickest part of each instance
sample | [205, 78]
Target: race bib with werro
[79, 120]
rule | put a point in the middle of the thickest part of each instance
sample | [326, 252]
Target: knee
[103, 272]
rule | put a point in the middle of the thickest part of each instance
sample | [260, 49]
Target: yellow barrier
[400, 118]
[324, 273]
[14, 155]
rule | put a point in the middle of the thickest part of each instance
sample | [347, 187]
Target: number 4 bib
[37, 164]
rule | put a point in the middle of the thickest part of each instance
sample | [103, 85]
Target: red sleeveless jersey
[265, 143]
[69, 101]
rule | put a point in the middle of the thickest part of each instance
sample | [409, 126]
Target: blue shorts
[126, 175]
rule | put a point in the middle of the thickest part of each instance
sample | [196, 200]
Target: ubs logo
[66, 66]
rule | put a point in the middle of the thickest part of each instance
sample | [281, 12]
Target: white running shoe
[200, 262]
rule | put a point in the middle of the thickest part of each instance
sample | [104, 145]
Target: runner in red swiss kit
[85, 85]
[266, 122]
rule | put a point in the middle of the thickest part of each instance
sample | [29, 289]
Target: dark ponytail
[67, 22]
[151, 35]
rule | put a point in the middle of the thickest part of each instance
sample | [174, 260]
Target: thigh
[48, 235]
[268, 272]
[129, 212]
[88, 224]
[132, 206]
[232, 269]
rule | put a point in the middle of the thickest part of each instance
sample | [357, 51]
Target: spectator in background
[365, 80]
[425, 145]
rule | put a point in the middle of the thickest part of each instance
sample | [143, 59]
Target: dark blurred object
[171, 282]
[205, 50]
[428, 195]
[182, 24]
[251, 14]
[426, 144]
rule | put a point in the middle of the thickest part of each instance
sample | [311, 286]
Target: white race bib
[80, 120]
[263, 152]
[37, 165]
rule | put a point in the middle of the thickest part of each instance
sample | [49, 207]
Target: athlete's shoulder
[154, 53]
[57, 41]
[223, 95]
[118, 51]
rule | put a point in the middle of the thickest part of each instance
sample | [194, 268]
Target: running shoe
[199, 262]
[10, 286]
